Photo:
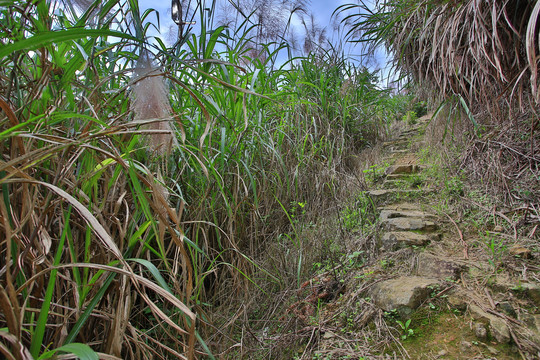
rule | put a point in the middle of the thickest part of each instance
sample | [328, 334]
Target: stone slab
[395, 240]
[434, 266]
[403, 294]
[392, 214]
[409, 224]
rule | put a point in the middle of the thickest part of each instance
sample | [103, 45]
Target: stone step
[435, 266]
[400, 152]
[392, 184]
[401, 207]
[398, 144]
[403, 294]
[402, 169]
[409, 224]
[396, 240]
[383, 195]
[387, 214]
[397, 176]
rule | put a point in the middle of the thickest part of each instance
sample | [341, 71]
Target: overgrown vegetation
[477, 62]
[143, 182]
[170, 200]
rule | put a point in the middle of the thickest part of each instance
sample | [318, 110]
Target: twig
[491, 302]
[309, 342]
[465, 246]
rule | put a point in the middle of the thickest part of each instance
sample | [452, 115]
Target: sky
[322, 10]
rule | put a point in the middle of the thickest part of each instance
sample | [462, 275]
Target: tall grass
[480, 60]
[138, 192]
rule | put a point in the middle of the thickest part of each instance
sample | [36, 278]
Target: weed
[375, 173]
[386, 263]
[496, 248]
[420, 108]
[406, 330]
[410, 117]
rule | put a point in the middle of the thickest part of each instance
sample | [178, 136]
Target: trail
[465, 296]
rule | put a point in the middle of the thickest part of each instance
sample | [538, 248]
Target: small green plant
[420, 108]
[351, 218]
[355, 259]
[387, 263]
[407, 332]
[454, 186]
[496, 248]
[375, 173]
[410, 117]
[415, 180]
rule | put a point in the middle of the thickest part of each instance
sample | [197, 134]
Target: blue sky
[322, 10]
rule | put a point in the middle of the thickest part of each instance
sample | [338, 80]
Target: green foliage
[375, 173]
[406, 330]
[410, 117]
[496, 247]
[102, 221]
[420, 108]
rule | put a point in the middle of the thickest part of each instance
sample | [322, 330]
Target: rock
[397, 176]
[492, 350]
[501, 282]
[401, 207]
[442, 353]
[387, 214]
[403, 294]
[465, 346]
[434, 266]
[508, 309]
[400, 169]
[384, 195]
[480, 330]
[497, 327]
[399, 239]
[329, 335]
[537, 322]
[457, 301]
[408, 224]
[520, 251]
[532, 291]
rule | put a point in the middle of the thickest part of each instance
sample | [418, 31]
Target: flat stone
[392, 214]
[533, 322]
[401, 207]
[480, 330]
[391, 184]
[403, 151]
[387, 194]
[434, 266]
[409, 224]
[395, 240]
[400, 169]
[397, 176]
[532, 291]
[457, 300]
[497, 327]
[507, 308]
[403, 294]
[520, 251]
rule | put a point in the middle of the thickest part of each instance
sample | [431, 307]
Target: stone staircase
[408, 222]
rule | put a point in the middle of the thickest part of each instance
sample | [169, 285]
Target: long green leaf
[38, 41]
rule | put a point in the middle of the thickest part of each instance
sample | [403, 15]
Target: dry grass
[480, 59]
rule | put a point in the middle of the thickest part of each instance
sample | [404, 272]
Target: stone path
[402, 202]
[407, 224]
